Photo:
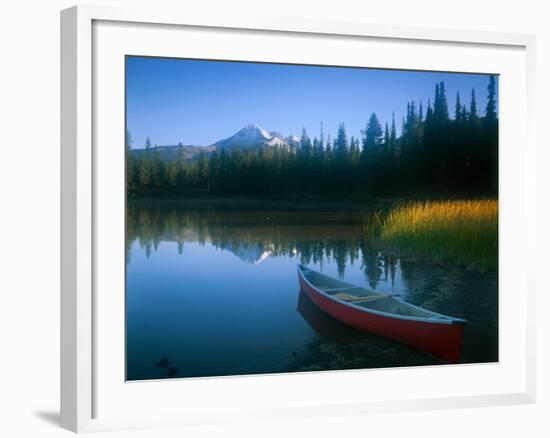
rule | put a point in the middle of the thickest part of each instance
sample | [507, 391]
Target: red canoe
[385, 315]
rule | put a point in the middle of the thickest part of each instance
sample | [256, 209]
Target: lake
[212, 290]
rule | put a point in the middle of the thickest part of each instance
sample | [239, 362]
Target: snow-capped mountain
[253, 254]
[251, 136]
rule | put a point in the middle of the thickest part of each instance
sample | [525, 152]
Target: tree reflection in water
[313, 236]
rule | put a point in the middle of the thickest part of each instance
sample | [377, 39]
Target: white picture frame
[82, 177]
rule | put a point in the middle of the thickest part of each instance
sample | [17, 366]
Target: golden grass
[462, 232]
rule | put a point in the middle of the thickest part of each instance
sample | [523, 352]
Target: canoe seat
[357, 298]
[333, 289]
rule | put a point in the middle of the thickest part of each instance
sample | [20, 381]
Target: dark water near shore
[212, 290]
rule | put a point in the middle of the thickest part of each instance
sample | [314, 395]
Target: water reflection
[318, 238]
[212, 290]
[321, 322]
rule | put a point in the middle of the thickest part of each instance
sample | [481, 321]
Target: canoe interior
[366, 298]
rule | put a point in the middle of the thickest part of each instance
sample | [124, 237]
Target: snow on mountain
[251, 136]
[293, 140]
[253, 254]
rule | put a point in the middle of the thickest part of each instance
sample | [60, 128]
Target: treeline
[434, 153]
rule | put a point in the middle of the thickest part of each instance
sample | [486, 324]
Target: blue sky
[200, 102]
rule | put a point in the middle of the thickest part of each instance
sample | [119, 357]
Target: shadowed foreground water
[212, 290]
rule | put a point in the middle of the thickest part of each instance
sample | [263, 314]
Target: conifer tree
[458, 109]
[393, 134]
[473, 107]
[329, 146]
[490, 111]
[305, 143]
[128, 139]
[386, 138]
[341, 143]
[372, 134]
[441, 109]
[490, 134]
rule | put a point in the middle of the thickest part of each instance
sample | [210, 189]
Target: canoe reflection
[321, 322]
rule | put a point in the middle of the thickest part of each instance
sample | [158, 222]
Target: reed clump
[463, 232]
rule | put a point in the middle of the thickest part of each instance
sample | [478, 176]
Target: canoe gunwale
[444, 319]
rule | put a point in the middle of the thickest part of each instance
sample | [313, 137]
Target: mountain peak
[255, 130]
[251, 127]
[250, 137]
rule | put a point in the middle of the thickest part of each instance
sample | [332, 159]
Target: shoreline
[298, 202]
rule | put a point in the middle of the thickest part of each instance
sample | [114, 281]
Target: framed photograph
[280, 218]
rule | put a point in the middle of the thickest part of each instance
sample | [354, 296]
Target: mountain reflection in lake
[212, 290]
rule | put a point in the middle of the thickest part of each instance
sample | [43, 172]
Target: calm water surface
[212, 290]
